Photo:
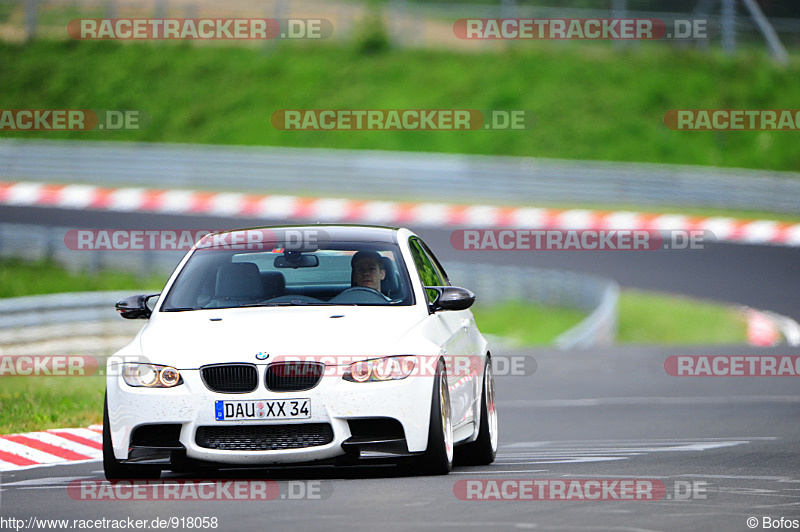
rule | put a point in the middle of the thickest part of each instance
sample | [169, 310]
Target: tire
[484, 449]
[438, 457]
[114, 470]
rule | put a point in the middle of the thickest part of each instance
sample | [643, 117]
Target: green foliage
[20, 278]
[524, 323]
[644, 318]
[372, 36]
[650, 318]
[591, 100]
[39, 403]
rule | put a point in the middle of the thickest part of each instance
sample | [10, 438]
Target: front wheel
[438, 458]
[484, 449]
[114, 470]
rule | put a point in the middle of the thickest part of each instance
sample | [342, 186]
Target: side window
[435, 261]
[428, 273]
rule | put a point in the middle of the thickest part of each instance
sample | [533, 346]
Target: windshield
[344, 273]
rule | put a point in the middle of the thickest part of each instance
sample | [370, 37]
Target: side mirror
[135, 307]
[452, 298]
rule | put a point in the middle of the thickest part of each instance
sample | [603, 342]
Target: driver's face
[368, 273]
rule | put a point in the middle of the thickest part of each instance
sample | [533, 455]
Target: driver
[368, 270]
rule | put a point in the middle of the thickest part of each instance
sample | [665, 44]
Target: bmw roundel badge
[262, 356]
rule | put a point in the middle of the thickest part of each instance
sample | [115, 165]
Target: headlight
[151, 376]
[380, 369]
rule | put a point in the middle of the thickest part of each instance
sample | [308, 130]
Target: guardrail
[85, 323]
[599, 327]
[35, 242]
[596, 296]
[26, 321]
[64, 324]
[58, 308]
[429, 176]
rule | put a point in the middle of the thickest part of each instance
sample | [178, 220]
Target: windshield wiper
[295, 302]
[180, 309]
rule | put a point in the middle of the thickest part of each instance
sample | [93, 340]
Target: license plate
[265, 409]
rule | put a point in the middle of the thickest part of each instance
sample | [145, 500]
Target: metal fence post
[94, 262]
[50, 244]
[398, 23]
[773, 41]
[728, 23]
[619, 9]
[161, 9]
[31, 18]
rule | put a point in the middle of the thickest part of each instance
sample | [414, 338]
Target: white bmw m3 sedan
[324, 344]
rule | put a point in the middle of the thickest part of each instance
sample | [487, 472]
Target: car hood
[194, 338]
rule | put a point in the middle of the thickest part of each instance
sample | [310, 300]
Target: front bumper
[333, 401]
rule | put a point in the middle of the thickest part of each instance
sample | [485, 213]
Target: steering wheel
[365, 289]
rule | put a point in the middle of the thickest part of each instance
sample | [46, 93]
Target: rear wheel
[484, 449]
[438, 458]
[115, 470]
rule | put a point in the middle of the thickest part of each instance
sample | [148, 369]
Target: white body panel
[335, 335]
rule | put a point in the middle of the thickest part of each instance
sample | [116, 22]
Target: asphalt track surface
[602, 414]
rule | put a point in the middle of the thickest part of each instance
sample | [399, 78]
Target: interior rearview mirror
[296, 259]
